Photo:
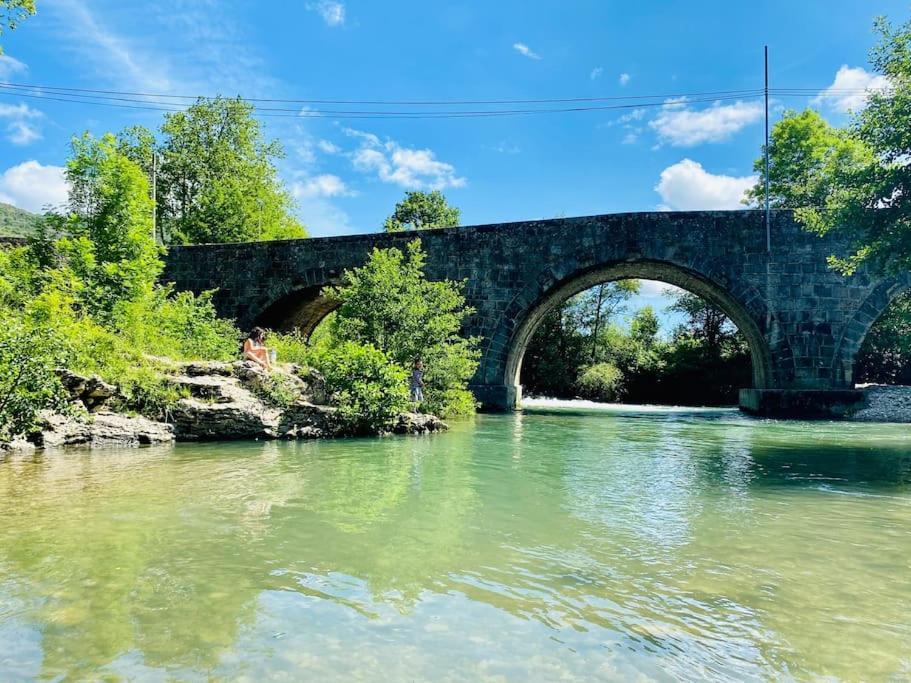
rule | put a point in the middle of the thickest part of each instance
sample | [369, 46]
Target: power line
[151, 105]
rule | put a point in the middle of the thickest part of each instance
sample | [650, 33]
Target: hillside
[15, 222]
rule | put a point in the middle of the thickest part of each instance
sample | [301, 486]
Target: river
[566, 543]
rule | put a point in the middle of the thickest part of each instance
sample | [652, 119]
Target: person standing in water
[255, 348]
[417, 381]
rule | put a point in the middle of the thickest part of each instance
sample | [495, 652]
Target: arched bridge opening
[300, 310]
[746, 320]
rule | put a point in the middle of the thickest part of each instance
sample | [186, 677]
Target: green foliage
[278, 389]
[12, 12]
[107, 247]
[292, 347]
[885, 357]
[369, 389]
[643, 327]
[15, 222]
[217, 180]
[601, 382]
[389, 303]
[422, 210]
[834, 178]
[28, 383]
[805, 152]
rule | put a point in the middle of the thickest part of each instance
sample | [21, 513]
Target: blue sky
[348, 174]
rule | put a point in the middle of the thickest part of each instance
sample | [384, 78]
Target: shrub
[369, 390]
[28, 381]
[291, 347]
[601, 382]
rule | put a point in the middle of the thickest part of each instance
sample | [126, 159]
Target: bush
[28, 381]
[291, 347]
[601, 382]
[369, 390]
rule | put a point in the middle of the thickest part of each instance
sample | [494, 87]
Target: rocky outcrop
[221, 401]
[885, 404]
[98, 431]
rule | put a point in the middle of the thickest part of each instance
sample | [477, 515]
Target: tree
[804, 153]
[217, 180]
[860, 192]
[107, 233]
[14, 11]
[421, 210]
[594, 308]
[644, 327]
[389, 303]
[704, 321]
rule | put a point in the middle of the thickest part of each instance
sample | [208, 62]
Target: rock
[418, 423]
[99, 430]
[885, 404]
[91, 391]
[314, 384]
[304, 420]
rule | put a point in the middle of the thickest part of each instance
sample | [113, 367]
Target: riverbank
[217, 401]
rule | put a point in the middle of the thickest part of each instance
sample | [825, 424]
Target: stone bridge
[804, 323]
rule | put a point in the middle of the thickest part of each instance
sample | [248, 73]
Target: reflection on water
[564, 543]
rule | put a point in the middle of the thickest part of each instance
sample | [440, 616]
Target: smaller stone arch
[301, 309]
[747, 321]
[857, 329]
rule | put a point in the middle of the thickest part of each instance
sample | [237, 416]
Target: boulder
[99, 430]
[93, 392]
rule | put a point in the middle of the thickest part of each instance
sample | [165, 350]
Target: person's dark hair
[257, 334]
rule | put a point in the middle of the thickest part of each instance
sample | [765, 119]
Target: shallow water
[566, 543]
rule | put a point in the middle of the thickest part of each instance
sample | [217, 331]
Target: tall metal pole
[768, 222]
[154, 197]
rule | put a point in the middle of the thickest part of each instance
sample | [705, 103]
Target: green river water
[554, 545]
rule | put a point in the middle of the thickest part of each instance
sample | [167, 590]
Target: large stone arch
[855, 332]
[747, 313]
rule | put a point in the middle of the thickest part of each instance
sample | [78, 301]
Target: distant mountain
[15, 222]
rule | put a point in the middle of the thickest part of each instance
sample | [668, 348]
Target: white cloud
[850, 89]
[393, 163]
[32, 186]
[630, 138]
[597, 72]
[624, 79]
[686, 186]
[21, 129]
[325, 185]
[333, 13]
[526, 51]
[9, 66]
[328, 147]
[681, 126]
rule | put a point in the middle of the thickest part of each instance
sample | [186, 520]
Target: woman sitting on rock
[255, 348]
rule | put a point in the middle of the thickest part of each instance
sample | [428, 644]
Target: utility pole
[768, 222]
[154, 196]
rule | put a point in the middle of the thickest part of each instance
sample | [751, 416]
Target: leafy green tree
[422, 210]
[854, 183]
[12, 12]
[805, 152]
[108, 243]
[703, 320]
[644, 327]
[594, 308]
[217, 180]
[389, 303]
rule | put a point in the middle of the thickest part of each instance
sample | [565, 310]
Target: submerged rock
[418, 423]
